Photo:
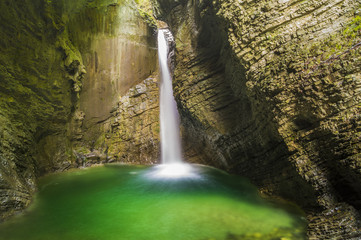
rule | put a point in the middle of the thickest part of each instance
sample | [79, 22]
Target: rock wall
[133, 131]
[38, 72]
[271, 90]
[66, 69]
[118, 49]
[268, 90]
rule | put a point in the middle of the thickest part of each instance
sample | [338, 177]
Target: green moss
[99, 143]
[145, 9]
[103, 3]
[148, 17]
[71, 52]
[326, 52]
[353, 30]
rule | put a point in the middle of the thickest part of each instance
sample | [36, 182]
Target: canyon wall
[76, 81]
[35, 90]
[271, 90]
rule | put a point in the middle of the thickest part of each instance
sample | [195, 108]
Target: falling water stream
[169, 122]
[172, 201]
[171, 154]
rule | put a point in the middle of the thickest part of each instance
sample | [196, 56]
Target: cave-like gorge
[268, 90]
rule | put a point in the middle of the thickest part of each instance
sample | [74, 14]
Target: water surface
[134, 202]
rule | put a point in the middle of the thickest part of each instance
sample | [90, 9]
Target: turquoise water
[133, 202]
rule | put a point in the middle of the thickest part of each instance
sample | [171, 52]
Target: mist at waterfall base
[171, 153]
[171, 201]
[127, 203]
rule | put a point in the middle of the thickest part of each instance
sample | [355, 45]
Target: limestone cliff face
[118, 49]
[72, 82]
[271, 90]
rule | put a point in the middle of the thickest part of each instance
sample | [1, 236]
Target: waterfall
[169, 119]
[171, 152]
[172, 166]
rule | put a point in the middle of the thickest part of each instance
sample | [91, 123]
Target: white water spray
[171, 153]
[172, 166]
[169, 121]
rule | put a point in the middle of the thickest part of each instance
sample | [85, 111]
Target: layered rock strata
[39, 72]
[271, 91]
[133, 136]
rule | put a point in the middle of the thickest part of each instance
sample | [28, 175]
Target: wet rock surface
[269, 90]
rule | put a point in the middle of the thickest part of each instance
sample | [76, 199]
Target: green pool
[136, 202]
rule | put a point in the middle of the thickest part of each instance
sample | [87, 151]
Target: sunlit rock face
[116, 48]
[271, 91]
[118, 104]
[116, 110]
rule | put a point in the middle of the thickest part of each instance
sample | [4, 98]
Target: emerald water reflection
[128, 202]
